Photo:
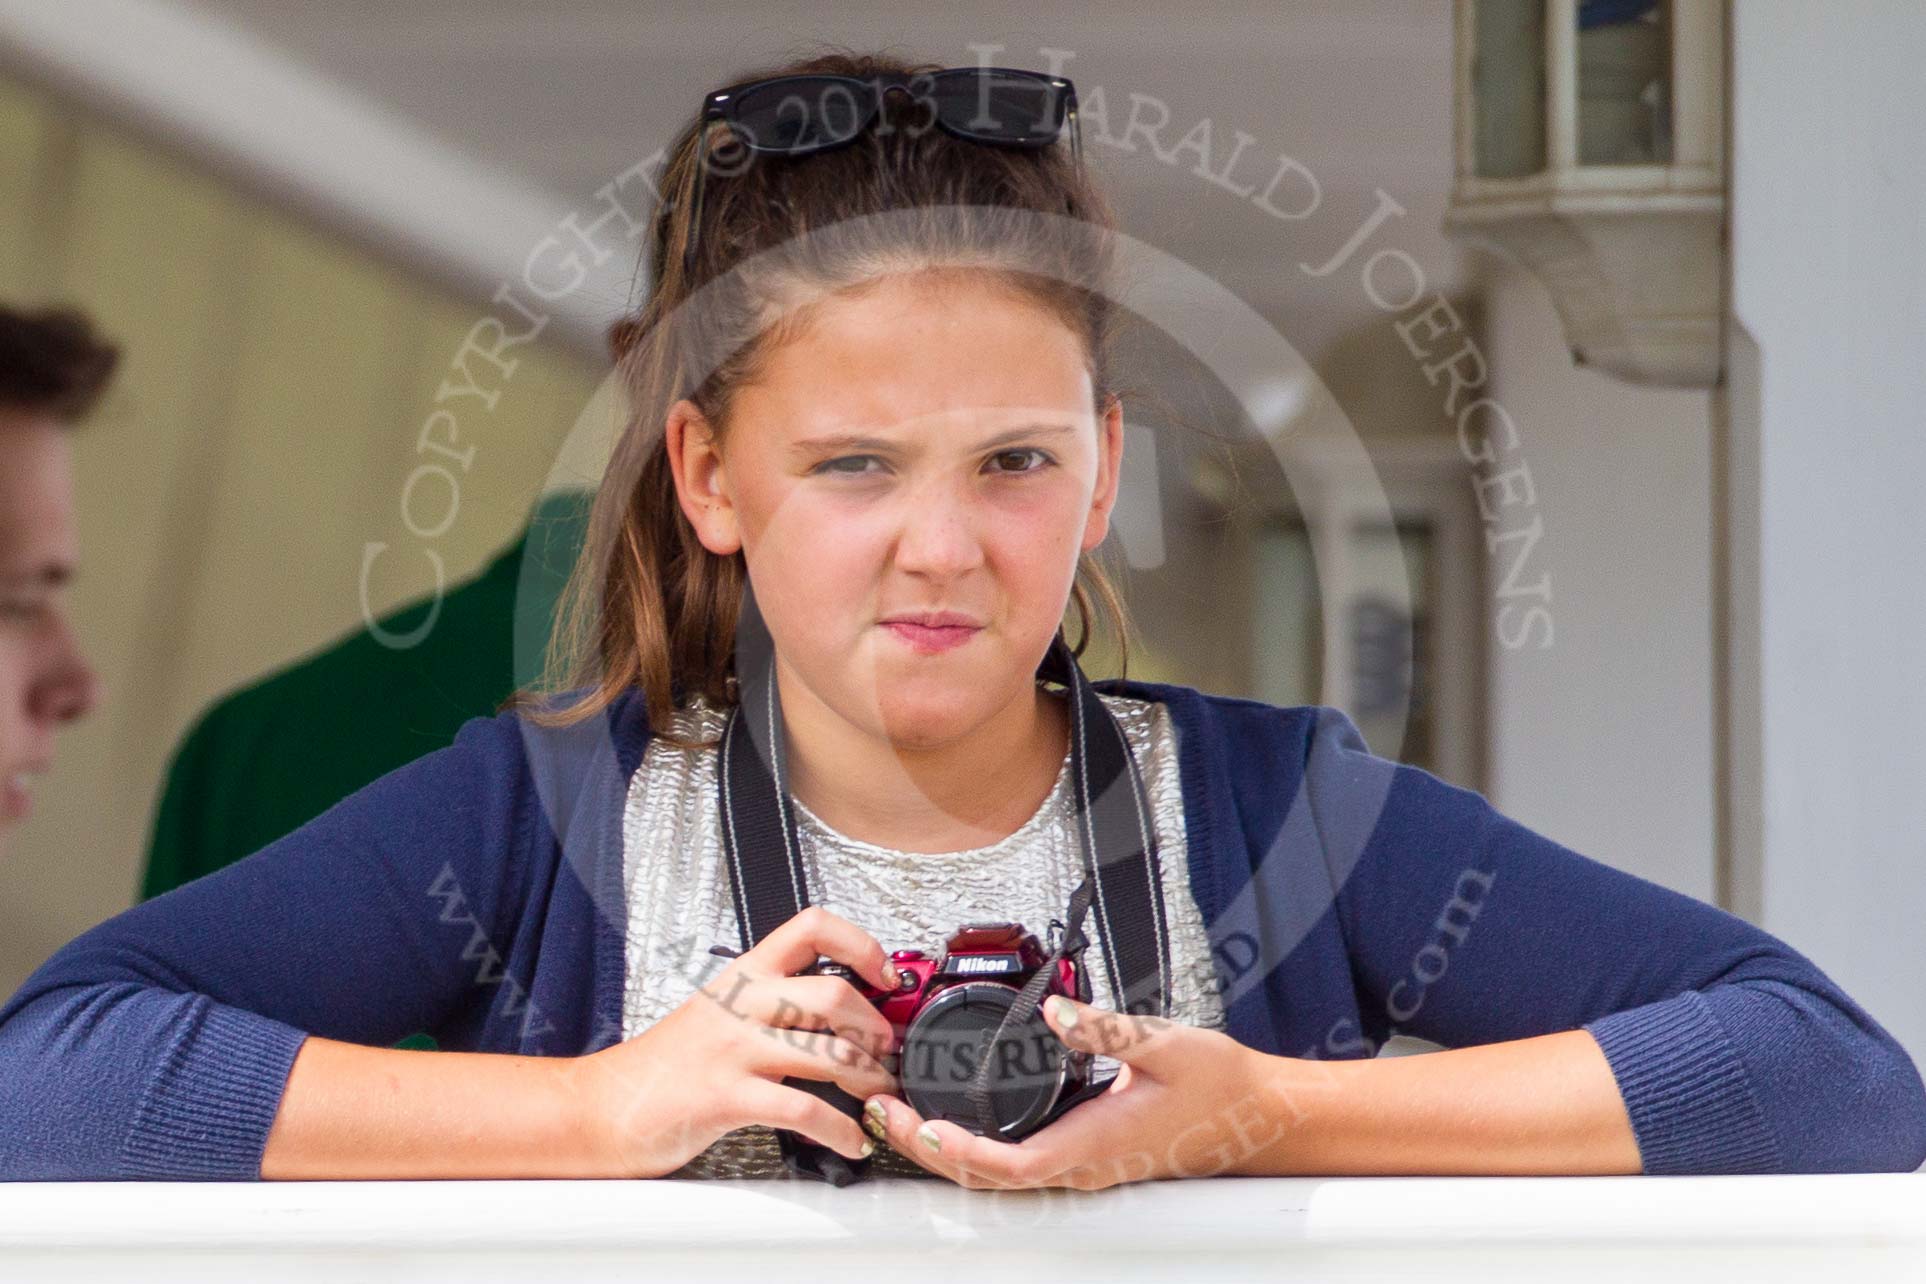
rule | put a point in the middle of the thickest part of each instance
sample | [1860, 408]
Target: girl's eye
[831, 466]
[1043, 460]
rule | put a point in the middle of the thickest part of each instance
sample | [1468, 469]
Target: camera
[944, 1016]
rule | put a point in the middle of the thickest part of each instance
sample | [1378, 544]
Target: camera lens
[948, 1040]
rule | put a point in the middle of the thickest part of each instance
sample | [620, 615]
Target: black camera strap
[1122, 876]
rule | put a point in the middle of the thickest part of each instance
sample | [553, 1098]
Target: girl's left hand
[1187, 1102]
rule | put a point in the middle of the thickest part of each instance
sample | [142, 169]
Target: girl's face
[922, 447]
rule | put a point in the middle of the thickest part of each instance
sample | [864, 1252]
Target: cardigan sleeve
[157, 1044]
[1732, 1051]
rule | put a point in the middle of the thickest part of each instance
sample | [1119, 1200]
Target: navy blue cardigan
[477, 894]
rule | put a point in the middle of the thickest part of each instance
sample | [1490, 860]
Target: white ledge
[1780, 1227]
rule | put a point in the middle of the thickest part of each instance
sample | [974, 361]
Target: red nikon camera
[945, 1014]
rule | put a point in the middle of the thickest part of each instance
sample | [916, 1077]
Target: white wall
[1602, 740]
[1829, 435]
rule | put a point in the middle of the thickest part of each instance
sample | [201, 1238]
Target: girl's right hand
[716, 1063]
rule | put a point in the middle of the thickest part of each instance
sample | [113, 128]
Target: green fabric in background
[270, 757]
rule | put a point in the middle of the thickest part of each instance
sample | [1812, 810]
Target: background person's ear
[700, 481]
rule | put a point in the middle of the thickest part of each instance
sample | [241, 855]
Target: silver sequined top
[680, 904]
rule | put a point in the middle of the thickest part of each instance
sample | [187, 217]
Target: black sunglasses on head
[800, 115]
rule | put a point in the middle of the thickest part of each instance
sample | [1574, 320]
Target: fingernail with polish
[869, 1148]
[1065, 1014]
[874, 1109]
[927, 1135]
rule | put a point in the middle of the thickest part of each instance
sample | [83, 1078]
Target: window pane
[1624, 82]
[1508, 88]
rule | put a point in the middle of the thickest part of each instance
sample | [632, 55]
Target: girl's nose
[939, 535]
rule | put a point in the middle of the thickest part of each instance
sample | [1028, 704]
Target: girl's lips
[930, 640]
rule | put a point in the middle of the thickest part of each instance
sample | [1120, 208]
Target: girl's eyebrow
[858, 441]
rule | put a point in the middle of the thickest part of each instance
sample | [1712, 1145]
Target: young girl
[874, 418]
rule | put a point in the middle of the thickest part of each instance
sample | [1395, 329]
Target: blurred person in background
[245, 773]
[267, 758]
[53, 368]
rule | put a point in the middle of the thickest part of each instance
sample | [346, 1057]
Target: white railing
[1434, 1229]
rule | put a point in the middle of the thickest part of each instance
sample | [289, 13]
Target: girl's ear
[701, 484]
[1109, 471]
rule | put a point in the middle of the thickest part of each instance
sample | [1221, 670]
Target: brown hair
[52, 362]
[647, 605]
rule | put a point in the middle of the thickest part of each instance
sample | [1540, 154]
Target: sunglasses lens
[801, 114]
[996, 107]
